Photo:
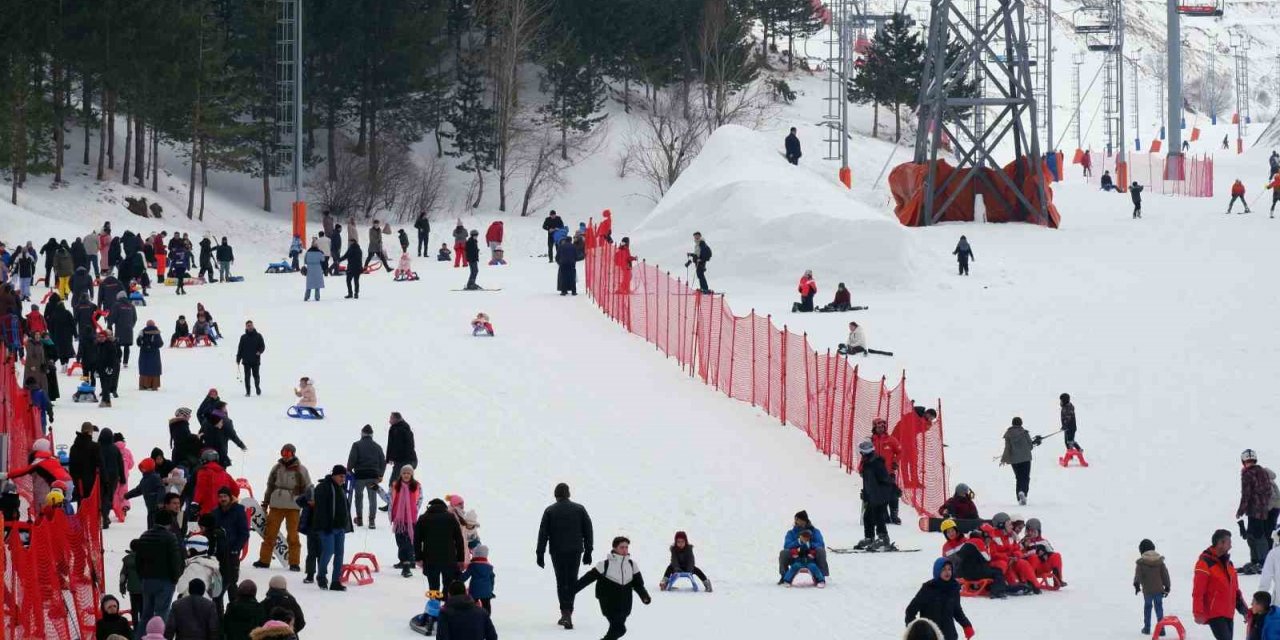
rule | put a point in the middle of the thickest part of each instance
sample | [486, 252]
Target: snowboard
[258, 522]
[964, 525]
[843, 550]
[480, 289]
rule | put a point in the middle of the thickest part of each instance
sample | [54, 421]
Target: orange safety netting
[906, 183]
[748, 358]
[53, 570]
[1150, 171]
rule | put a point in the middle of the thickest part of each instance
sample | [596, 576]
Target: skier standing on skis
[1017, 453]
[566, 528]
[699, 257]
[473, 259]
[878, 491]
[1255, 503]
[1068, 412]
[1135, 194]
[1237, 193]
[887, 447]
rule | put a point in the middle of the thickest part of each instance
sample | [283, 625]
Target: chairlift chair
[1201, 8]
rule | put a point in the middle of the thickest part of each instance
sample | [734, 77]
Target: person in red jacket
[209, 479]
[1215, 592]
[493, 235]
[1237, 193]
[889, 449]
[605, 230]
[35, 321]
[1006, 553]
[808, 288]
[622, 259]
[960, 505]
[971, 558]
[48, 471]
[1274, 186]
[1037, 551]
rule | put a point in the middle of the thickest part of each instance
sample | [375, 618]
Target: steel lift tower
[288, 147]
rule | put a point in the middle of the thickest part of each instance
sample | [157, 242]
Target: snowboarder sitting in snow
[443, 255]
[804, 556]
[792, 541]
[1107, 183]
[855, 343]
[808, 288]
[180, 330]
[841, 302]
[85, 392]
[682, 561]
[481, 326]
[480, 578]
[306, 393]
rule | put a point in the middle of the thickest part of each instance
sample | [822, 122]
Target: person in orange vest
[1237, 193]
[1274, 186]
[622, 259]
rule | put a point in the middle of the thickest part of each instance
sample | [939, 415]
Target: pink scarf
[404, 508]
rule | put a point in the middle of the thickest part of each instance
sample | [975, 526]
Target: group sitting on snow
[994, 555]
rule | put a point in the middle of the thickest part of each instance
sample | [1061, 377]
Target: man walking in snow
[1017, 453]
[1255, 503]
[423, 225]
[699, 257]
[365, 462]
[566, 527]
[1215, 591]
[793, 147]
[400, 448]
[1135, 194]
[550, 224]
[249, 354]
[1069, 422]
[473, 259]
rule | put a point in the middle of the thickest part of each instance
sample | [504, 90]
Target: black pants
[964, 267]
[108, 493]
[1222, 628]
[566, 568]
[696, 571]
[124, 352]
[1256, 536]
[474, 266]
[874, 518]
[702, 278]
[805, 305]
[48, 265]
[313, 553]
[1235, 197]
[551, 249]
[1069, 436]
[1275, 197]
[109, 381]
[252, 370]
[206, 267]
[1022, 477]
[1137, 210]
[353, 280]
[135, 608]
[793, 159]
[379, 254]
[440, 574]
[617, 626]
[424, 243]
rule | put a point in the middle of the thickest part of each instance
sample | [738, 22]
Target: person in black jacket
[473, 259]
[85, 462]
[230, 517]
[244, 613]
[115, 253]
[365, 461]
[566, 527]
[616, 577]
[423, 225]
[331, 522]
[81, 283]
[793, 147]
[48, 250]
[150, 488]
[207, 406]
[354, 259]
[160, 564]
[78, 255]
[249, 355]
[206, 260]
[438, 544]
[1135, 194]
[878, 490]
[682, 561]
[111, 621]
[939, 602]
[278, 596]
[400, 448]
[62, 328]
[567, 263]
[699, 257]
[107, 364]
[550, 224]
[225, 257]
[112, 473]
[461, 619]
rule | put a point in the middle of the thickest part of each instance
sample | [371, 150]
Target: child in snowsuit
[682, 561]
[480, 578]
[804, 557]
[306, 393]
[481, 326]
[180, 330]
[1151, 579]
[201, 330]
[85, 392]
[443, 255]
[404, 268]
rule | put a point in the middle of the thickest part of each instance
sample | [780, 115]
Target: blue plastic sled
[302, 413]
[671, 581]
[235, 279]
[280, 267]
[138, 299]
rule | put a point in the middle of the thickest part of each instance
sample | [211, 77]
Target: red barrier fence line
[771, 368]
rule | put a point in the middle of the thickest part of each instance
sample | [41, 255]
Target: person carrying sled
[808, 288]
[1135, 194]
[1237, 193]
[841, 302]
[963, 254]
[938, 601]
[1017, 453]
[682, 561]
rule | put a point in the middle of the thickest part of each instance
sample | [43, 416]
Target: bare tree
[422, 190]
[1212, 94]
[543, 159]
[669, 134]
[727, 64]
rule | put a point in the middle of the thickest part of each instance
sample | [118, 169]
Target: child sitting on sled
[805, 557]
[481, 326]
[682, 561]
[444, 255]
[85, 392]
[306, 393]
[203, 330]
[404, 268]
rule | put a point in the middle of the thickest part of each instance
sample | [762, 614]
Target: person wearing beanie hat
[479, 577]
[244, 612]
[792, 541]
[286, 482]
[682, 561]
[111, 620]
[1151, 579]
[467, 519]
[439, 544]
[938, 601]
[231, 517]
[366, 462]
[45, 465]
[1017, 453]
[566, 529]
[406, 501]
[878, 490]
[193, 616]
[150, 488]
[279, 598]
[472, 249]
[155, 629]
[330, 522]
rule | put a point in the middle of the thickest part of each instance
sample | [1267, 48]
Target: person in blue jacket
[1271, 622]
[179, 264]
[295, 250]
[479, 575]
[792, 541]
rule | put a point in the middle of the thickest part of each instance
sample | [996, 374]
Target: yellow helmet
[54, 499]
[947, 525]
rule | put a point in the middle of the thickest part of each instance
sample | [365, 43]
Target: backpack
[706, 252]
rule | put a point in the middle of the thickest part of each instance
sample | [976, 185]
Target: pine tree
[797, 20]
[472, 119]
[890, 73]
[577, 94]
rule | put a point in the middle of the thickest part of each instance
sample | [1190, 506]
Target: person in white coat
[856, 342]
[1270, 577]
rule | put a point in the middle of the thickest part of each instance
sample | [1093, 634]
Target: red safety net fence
[52, 561]
[751, 359]
[1148, 170]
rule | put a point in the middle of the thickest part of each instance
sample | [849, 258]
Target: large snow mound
[748, 202]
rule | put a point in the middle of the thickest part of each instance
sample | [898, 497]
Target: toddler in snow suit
[85, 392]
[444, 255]
[404, 268]
[480, 578]
[1151, 579]
[306, 393]
[804, 557]
[481, 326]
[682, 561]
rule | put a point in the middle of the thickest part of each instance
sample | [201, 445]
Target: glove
[1136, 589]
[968, 632]
[1166, 593]
[542, 562]
[645, 600]
[586, 558]
[862, 494]
[1035, 442]
[1240, 523]
[795, 553]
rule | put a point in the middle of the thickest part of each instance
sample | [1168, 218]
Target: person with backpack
[699, 257]
[616, 577]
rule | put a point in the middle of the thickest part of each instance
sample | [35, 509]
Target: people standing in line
[567, 267]
[158, 557]
[313, 265]
[938, 601]
[1151, 579]
[616, 577]
[963, 254]
[400, 447]
[473, 259]
[1017, 453]
[423, 225]
[375, 247]
[1135, 194]
[286, 482]
[150, 341]
[699, 257]
[1215, 590]
[110, 474]
[244, 612]
[365, 462]
[331, 522]
[1068, 416]
[225, 257]
[566, 529]
[459, 245]
[793, 147]
[49, 250]
[438, 544]
[551, 224]
[878, 492]
[1255, 504]
[249, 355]
[353, 259]
[406, 500]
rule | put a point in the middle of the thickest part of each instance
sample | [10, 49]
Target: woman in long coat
[35, 365]
[149, 369]
[567, 275]
[313, 262]
[62, 328]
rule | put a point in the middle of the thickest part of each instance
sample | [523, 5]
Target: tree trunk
[204, 180]
[86, 108]
[128, 148]
[479, 188]
[791, 52]
[564, 142]
[375, 169]
[897, 122]
[439, 144]
[139, 152]
[875, 120]
[102, 139]
[331, 143]
[191, 184]
[155, 160]
[266, 178]
[18, 146]
[58, 122]
[111, 128]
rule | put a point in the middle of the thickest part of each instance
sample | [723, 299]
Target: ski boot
[706, 585]
[1022, 498]
[882, 544]
[864, 545]
[261, 565]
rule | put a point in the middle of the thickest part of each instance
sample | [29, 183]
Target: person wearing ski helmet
[1006, 554]
[1017, 453]
[888, 448]
[210, 478]
[1039, 552]
[960, 505]
[1068, 412]
[1255, 503]
[878, 491]
[971, 558]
